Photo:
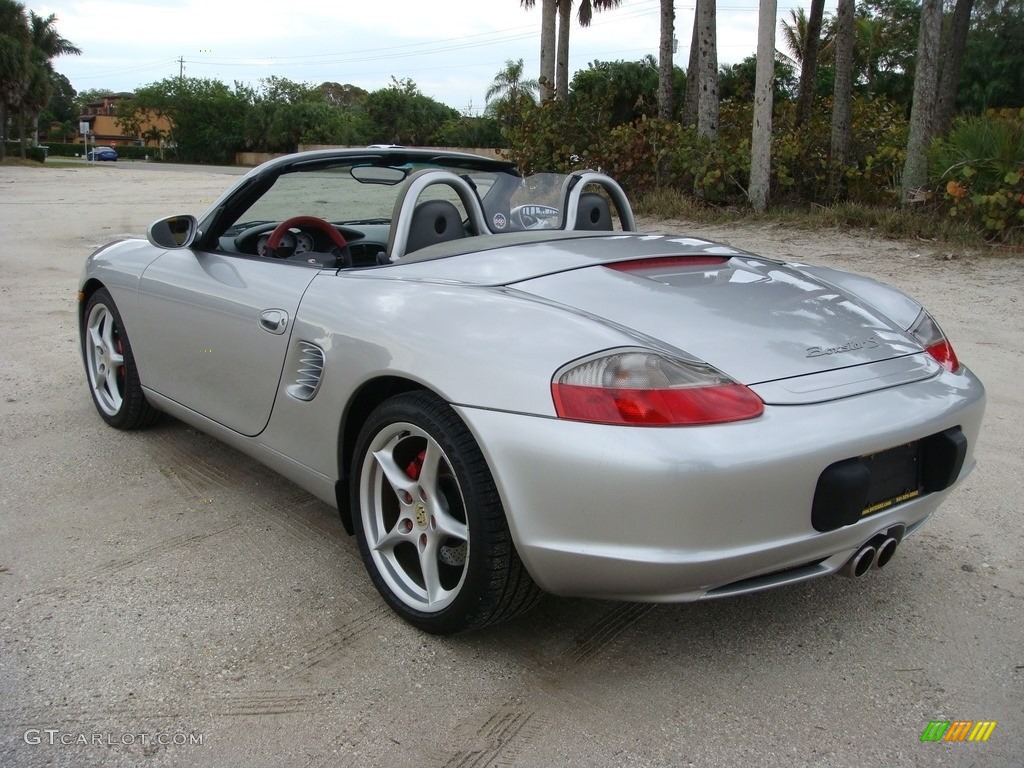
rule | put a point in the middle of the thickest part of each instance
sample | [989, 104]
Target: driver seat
[434, 221]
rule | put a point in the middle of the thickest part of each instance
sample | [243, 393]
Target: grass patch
[19, 161]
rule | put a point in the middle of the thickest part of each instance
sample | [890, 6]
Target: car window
[330, 194]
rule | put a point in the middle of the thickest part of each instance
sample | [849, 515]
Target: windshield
[347, 194]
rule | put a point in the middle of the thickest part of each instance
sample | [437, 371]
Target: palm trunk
[562, 59]
[809, 63]
[922, 111]
[549, 13]
[842, 101]
[666, 70]
[690, 95]
[952, 60]
[764, 85]
[707, 100]
[21, 132]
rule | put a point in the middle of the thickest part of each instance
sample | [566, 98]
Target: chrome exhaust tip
[860, 563]
[885, 552]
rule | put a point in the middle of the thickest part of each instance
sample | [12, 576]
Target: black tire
[426, 509]
[110, 366]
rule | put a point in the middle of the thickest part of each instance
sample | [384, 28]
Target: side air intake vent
[308, 372]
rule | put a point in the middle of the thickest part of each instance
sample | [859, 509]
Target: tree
[62, 103]
[509, 91]
[993, 71]
[896, 44]
[47, 44]
[625, 91]
[915, 169]
[585, 15]
[666, 69]
[403, 115]
[842, 100]
[738, 81]
[952, 61]
[707, 68]
[343, 96]
[794, 34]
[761, 135]
[15, 62]
[207, 117]
[548, 17]
[809, 62]
[691, 95]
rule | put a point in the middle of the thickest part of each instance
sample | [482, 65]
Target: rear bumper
[680, 514]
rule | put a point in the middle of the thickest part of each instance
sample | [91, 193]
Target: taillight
[930, 336]
[641, 388]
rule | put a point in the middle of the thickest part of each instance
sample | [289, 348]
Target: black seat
[593, 213]
[434, 221]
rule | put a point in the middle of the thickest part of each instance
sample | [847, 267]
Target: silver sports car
[506, 389]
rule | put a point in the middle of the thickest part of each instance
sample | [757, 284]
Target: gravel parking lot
[165, 601]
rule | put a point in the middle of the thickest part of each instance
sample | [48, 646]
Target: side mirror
[173, 232]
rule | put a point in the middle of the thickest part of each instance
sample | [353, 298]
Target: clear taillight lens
[930, 336]
[641, 388]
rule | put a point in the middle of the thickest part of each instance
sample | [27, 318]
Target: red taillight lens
[660, 264]
[646, 389]
[930, 336]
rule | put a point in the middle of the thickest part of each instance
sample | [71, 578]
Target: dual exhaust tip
[875, 554]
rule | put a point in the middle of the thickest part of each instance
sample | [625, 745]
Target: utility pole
[181, 67]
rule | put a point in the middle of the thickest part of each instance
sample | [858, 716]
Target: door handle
[274, 321]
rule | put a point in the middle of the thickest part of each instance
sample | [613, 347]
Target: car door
[216, 329]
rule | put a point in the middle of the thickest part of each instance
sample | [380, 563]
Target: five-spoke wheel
[110, 366]
[431, 527]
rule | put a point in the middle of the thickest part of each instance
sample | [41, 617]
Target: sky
[451, 49]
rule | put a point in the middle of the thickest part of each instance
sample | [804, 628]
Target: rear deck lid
[756, 320]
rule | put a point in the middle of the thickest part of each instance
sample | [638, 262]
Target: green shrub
[650, 154]
[979, 167]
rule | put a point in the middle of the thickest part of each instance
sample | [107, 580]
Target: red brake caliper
[120, 351]
[416, 466]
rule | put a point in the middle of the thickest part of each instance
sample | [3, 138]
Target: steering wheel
[534, 216]
[274, 242]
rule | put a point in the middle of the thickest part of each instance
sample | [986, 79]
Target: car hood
[756, 319]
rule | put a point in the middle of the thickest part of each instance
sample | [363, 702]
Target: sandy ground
[157, 586]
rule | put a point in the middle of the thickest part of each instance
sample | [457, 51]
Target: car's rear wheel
[431, 528]
[110, 366]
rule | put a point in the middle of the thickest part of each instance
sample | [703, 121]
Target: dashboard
[365, 239]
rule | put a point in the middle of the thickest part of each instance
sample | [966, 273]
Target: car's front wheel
[110, 366]
[431, 528]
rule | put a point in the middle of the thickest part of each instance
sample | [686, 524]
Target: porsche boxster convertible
[506, 389]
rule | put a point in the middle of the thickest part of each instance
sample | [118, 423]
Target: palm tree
[794, 33]
[47, 44]
[689, 111]
[842, 99]
[585, 15]
[509, 90]
[809, 62]
[666, 70]
[761, 133]
[548, 15]
[15, 62]
[952, 61]
[706, 22]
[922, 110]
